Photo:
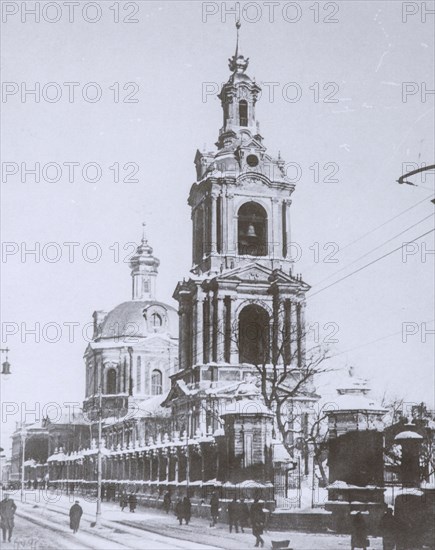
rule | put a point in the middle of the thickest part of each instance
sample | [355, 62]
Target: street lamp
[404, 178]
[23, 455]
[99, 458]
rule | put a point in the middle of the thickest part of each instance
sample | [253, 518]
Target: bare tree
[286, 372]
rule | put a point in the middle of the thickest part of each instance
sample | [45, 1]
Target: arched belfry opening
[254, 335]
[252, 230]
[243, 112]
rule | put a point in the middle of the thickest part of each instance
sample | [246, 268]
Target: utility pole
[23, 456]
[188, 416]
[99, 459]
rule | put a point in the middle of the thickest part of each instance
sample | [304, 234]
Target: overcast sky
[169, 57]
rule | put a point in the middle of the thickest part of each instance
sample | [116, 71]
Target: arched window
[156, 382]
[111, 381]
[243, 112]
[254, 335]
[156, 320]
[252, 230]
[138, 375]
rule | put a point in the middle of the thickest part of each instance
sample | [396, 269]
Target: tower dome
[144, 269]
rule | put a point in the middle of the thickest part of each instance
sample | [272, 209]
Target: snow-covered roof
[246, 407]
[355, 402]
[407, 435]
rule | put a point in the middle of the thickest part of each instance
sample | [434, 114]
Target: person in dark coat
[179, 511]
[389, 530]
[75, 514]
[132, 502]
[233, 515]
[359, 532]
[187, 509]
[167, 502]
[7, 512]
[243, 514]
[258, 518]
[214, 508]
[123, 501]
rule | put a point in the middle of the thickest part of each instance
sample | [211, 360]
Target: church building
[184, 399]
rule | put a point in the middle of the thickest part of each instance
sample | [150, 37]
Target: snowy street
[46, 526]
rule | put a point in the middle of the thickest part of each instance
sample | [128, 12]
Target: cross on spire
[238, 25]
[238, 63]
[144, 237]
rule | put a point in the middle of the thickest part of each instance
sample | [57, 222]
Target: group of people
[128, 500]
[239, 516]
[392, 533]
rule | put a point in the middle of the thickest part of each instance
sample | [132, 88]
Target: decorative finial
[351, 371]
[144, 238]
[238, 64]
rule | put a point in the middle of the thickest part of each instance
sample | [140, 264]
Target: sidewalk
[198, 531]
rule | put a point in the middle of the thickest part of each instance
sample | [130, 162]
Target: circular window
[252, 160]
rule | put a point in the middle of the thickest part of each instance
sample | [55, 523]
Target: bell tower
[241, 305]
[241, 200]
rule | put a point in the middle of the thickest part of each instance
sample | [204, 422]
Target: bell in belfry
[251, 231]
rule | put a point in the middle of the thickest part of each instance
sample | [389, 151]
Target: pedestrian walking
[389, 530]
[132, 502]
[123, 502]
[257, 522]
[243, 514]
[187, 509]
[167, 502]
[75, 514]
[7, 513]
[179, 511]
[233, 515]
[359, 532]
[214, 508]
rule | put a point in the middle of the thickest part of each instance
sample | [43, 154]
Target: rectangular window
[248, 450]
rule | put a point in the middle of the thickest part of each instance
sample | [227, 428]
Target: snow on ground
[152, 529]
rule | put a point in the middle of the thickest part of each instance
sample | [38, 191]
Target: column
[205, 331]
[293, 333]
[194, 332]
[198, 329]
[278, 330]
[275, 330]
[301, 334]
[275, 240]
[210, 327]
[227, 329]
[220, 328]
[213, 223]
[287, 238]
[234, 338]
[287, 332]
[229, 243]
[184, 336]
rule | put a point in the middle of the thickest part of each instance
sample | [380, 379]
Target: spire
[237, 63]
[238, 25]
[144, 238]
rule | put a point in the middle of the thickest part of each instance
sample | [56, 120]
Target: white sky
[169, 54]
